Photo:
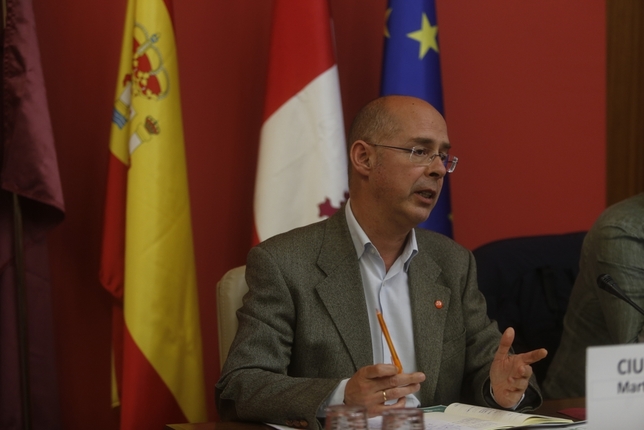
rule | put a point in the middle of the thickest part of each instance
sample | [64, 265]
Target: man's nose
[436, 168]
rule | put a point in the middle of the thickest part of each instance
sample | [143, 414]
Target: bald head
[382, 119]
[379, 120]
[373, 122]
[390, 192]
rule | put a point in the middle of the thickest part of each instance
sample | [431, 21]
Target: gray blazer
[614, 245]
[304, 326]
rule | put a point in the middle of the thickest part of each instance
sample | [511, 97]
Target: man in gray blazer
[308, 333]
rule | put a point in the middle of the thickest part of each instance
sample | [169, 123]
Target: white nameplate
[615, 387]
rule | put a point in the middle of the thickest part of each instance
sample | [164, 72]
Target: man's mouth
[427, 194]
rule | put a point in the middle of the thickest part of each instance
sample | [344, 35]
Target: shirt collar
[361, 241]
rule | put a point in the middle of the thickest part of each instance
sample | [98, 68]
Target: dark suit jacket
[304, 326]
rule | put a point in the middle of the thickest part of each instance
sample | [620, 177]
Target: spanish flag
[147, 257]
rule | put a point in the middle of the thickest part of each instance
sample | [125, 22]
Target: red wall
[524, 86]
[524, 99]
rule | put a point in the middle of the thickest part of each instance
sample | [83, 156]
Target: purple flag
[28, 170]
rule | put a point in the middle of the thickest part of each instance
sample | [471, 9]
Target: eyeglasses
[421, 156]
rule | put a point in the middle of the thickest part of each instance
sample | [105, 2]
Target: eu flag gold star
[387, 13]
[426, 36]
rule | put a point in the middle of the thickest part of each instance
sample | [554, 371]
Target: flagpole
[21, 308]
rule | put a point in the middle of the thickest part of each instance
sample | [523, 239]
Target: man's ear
[362, 157]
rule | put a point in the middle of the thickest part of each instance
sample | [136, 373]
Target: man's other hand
[509, 374]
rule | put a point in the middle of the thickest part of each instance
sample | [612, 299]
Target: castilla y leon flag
[147, 257]
[302, 167]
[411, 67]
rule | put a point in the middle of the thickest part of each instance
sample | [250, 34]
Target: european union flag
[411, 67]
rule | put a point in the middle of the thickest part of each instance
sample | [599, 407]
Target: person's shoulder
[439, 244]
[626, 214]
[634, 204]
[308, 237]
[439, 239]
[296, 237]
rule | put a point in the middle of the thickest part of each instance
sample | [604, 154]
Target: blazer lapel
[342, 293]
[428, 320]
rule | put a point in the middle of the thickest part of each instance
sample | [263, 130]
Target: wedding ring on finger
[384, 395]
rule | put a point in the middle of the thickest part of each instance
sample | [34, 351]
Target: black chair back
[527, 282]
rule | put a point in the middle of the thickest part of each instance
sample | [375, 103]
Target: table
[549, 408]
[219, 426]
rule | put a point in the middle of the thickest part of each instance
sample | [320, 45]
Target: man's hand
[367, 385]
[509, 374]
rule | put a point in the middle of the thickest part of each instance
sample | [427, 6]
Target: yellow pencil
[385, 331]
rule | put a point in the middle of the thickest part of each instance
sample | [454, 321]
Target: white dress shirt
[387, 291]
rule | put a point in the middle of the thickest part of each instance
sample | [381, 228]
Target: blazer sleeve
[254, 384]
